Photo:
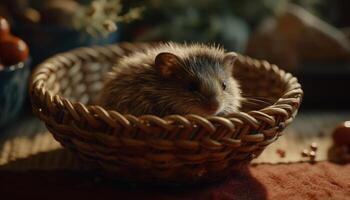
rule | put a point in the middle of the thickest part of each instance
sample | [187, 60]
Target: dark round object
[341, 134]
[13, 50]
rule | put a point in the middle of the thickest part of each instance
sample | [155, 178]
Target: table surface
[29, 137]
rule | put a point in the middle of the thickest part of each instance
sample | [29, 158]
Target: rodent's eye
[223, 85]
[193, 86]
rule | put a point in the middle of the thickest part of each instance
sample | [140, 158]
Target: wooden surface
[27, 144]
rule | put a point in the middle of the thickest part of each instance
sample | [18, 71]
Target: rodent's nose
[212, 104]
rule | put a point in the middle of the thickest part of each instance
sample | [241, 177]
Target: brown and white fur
[173, 79]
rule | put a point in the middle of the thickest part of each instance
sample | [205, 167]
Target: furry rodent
[173, 79]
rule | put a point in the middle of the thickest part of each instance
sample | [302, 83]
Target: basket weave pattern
[175, 148]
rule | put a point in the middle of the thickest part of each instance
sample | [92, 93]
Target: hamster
[173, 78]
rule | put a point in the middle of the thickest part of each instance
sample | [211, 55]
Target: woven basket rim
[287, 105]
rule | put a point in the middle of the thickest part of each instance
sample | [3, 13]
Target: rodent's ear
[167, 64]
[230, 59]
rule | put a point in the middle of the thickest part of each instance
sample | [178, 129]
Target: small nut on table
[281, 153]
[314, 146]
[305, 153]
[312, 156]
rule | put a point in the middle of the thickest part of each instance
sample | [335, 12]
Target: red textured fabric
[285, 181]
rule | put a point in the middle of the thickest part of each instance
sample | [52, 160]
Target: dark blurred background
[310, 38]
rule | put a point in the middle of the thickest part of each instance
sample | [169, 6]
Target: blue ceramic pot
[13, 91]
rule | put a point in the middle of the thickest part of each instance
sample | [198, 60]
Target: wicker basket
[173, 149]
